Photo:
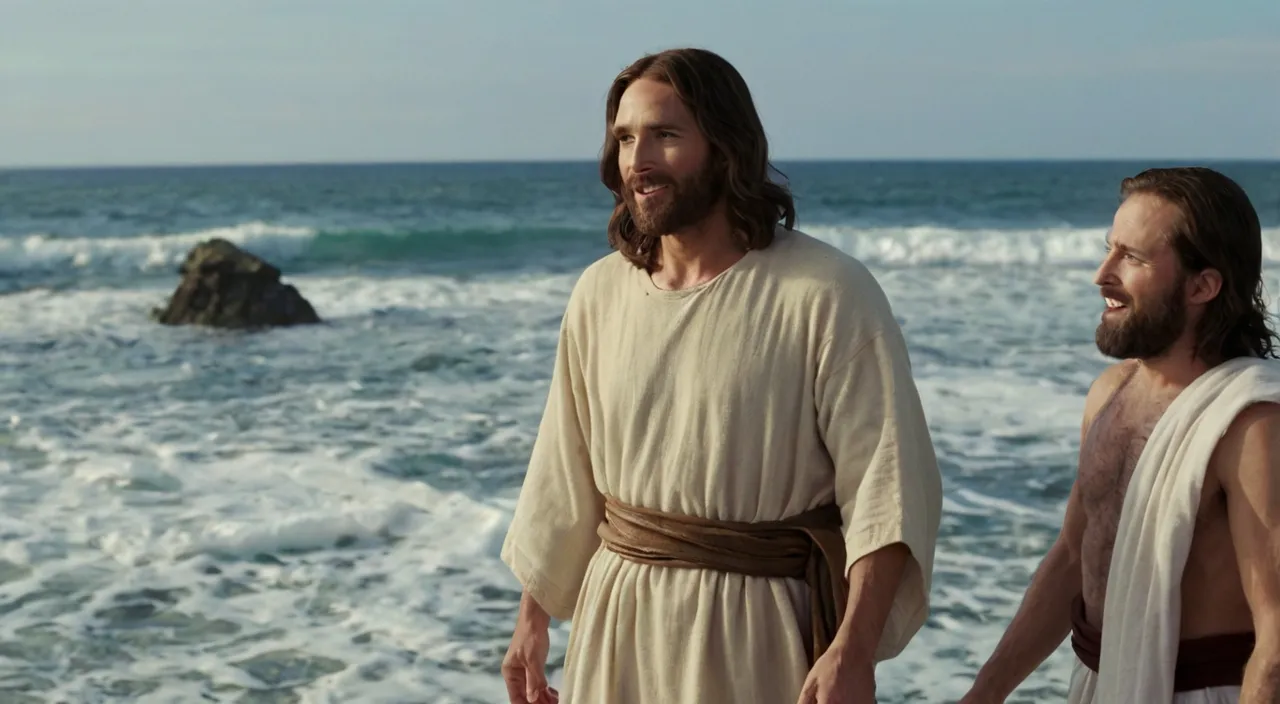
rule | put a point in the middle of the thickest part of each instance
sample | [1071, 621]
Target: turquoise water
[313, 515]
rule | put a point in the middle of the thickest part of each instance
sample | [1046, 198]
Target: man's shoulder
[1262, 414]
[814, 267]
[799, 249]
[1249, 449]
[607, 263]
[597, 288]
[832, 289]
[1110, 378]
[1254, 423]
[602, 272]
[1105, 386]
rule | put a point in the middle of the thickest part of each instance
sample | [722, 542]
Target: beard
[687, 202]
[1146, 331]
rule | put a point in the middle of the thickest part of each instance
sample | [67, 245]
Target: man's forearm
[1262, 675]
[873, 584]
[532, 614]
[1042, 622]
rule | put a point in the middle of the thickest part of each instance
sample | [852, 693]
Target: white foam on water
[157, 462]
[931, 245]
[40, 312]
[352, 555]
[318, 510]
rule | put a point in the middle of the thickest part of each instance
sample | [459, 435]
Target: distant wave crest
[303, 248]
[142, 253]
[294, 248]
[941, 246]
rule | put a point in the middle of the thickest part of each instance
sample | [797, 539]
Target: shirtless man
[1182, 285]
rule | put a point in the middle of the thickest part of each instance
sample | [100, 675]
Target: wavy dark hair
[721, 103]
[1219, 230]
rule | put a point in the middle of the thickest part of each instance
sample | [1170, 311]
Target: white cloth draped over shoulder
[779, 386]
[1141, 622]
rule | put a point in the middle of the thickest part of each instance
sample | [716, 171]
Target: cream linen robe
[778, 386]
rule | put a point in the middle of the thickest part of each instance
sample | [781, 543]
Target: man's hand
[846, 673]
[1043, 619]
[834, 679]
[524, 668]
[974, 698]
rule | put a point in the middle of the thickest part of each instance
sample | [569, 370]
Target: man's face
[668, 180]
[1142, 282]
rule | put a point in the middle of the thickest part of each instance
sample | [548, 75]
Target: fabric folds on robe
[1141, 621]
[807, 547]
[780, 386]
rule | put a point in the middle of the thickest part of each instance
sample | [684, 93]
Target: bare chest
[1113, 446]
[1111, 452]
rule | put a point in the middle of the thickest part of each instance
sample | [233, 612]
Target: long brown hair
[721, 103]
[1219, 230]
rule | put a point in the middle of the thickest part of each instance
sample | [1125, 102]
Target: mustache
[635, 183]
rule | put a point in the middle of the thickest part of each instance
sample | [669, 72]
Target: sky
[143, 82]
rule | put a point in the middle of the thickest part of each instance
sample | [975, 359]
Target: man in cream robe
[780, 385]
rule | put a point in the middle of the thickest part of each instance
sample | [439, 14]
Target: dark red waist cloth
[1211, 661]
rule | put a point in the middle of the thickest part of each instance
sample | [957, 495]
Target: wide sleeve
[887, 481]
[552, 536]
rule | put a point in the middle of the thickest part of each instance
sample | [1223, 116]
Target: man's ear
[1204, 286]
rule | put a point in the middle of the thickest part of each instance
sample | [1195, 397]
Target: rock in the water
[224, 286]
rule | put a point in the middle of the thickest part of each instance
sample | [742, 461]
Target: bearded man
[733, 493]
[1167, 570]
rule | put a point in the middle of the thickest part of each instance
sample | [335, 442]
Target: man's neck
[697, 255]
[1175, 369]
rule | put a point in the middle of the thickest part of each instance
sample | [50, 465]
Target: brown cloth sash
[1211, 661]
[808, 547]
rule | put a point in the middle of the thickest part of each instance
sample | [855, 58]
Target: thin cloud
[1231, 56]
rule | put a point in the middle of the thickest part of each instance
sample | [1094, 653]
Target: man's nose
[641, 156]
[1105, 272]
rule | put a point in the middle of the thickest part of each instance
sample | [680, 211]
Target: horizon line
[586, 160]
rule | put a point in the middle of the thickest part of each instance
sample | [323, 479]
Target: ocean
[314, 514]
